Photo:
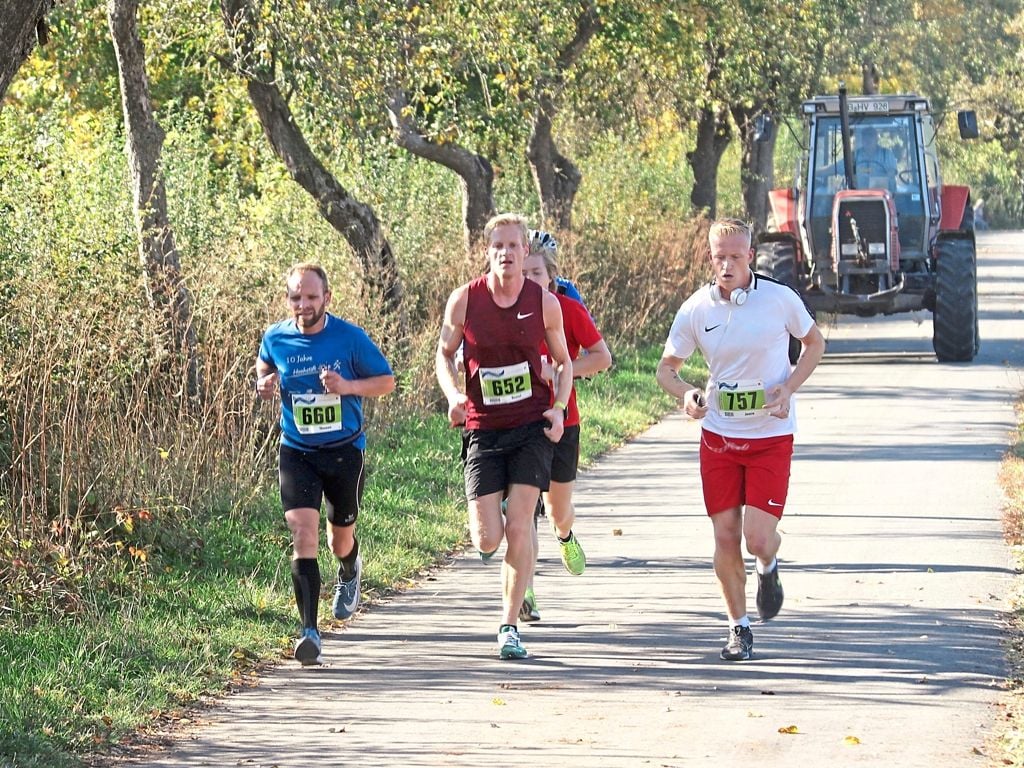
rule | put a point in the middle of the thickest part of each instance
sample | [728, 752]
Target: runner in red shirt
[580, 333]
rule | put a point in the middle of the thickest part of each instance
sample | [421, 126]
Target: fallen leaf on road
[851, 740]
[789, 729]
[616, 531]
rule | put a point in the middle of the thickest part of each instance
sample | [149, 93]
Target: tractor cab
[889, 153]
[869, 227]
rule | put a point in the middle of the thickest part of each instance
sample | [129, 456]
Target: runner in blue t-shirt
[323, 367]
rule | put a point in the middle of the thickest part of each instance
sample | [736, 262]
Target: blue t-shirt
[310, 417]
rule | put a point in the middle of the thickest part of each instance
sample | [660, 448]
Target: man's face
[506, 250]
[535, 268]
[731, 256]
[307, 299]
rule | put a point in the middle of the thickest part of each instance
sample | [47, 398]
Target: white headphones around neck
[739, 296]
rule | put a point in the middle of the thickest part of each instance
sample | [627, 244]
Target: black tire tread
[777, 260]
[955, 319]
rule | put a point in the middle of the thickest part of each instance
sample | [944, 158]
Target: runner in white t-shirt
[742, 323]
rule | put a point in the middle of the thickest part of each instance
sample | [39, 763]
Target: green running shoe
[528, 610]
[509, 646]
[573, 559]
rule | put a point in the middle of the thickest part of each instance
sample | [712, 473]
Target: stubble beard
[309, 322]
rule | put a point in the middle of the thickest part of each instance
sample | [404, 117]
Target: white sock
[741, 622]
[762, 569]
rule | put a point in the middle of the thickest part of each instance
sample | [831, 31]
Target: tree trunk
[757, 167]
[713, 135]
[556, 176]
[871, 78]
[144, 140]
[22, 25]
[354, 220]
[474, 171]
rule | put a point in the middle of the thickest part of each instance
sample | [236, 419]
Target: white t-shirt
[747, 351]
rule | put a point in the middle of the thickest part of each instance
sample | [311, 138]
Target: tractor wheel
[955, 318]
[777, 259]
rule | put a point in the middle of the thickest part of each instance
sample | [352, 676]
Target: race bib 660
[314, 414]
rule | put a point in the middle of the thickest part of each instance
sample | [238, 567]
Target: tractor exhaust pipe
[844, 124]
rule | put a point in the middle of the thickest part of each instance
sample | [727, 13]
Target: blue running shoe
[307, 648]
[346, 593]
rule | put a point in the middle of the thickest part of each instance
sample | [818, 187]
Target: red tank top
[502, 357]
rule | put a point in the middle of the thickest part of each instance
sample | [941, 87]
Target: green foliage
[930, 47]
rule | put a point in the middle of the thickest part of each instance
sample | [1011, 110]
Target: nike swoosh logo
[351, 606]
[773, 503]
[521, 316]
[709, 330]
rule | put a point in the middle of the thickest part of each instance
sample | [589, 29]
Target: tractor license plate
[869, 106]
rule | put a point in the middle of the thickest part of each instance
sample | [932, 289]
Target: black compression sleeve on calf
[347, 564]
[306, 582]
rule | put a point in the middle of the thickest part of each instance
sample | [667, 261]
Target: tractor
[866, 236]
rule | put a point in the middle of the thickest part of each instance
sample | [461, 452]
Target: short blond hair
[507, 218]
[728, 227]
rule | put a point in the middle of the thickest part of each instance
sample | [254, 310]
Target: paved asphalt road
[887, 652]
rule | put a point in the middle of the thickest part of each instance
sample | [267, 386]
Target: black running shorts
[331, 475]
[567, 456]
[494, 459]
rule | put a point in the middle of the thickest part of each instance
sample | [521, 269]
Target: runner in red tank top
[510, 428]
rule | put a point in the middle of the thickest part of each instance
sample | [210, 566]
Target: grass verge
[1008, 747]
[170, 634]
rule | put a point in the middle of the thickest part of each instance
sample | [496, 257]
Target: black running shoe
[769, 593]
[740, 645]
